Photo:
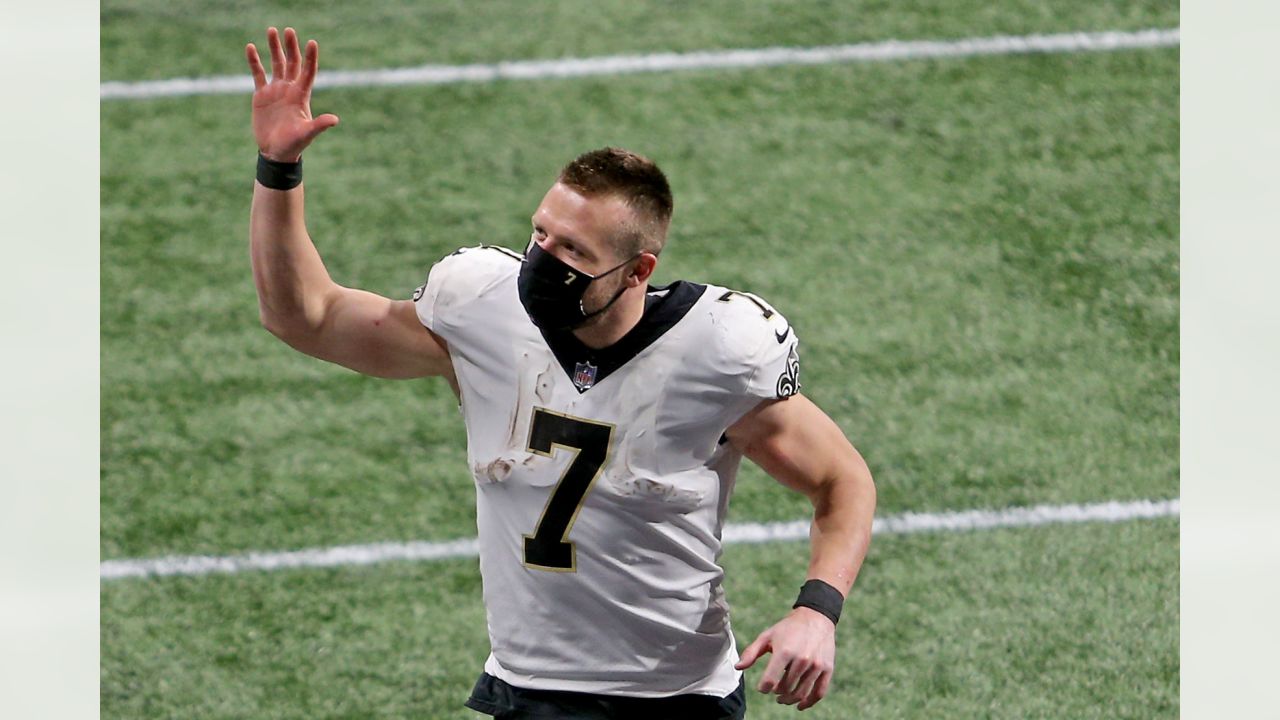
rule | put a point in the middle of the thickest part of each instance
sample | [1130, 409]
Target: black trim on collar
[663, 308]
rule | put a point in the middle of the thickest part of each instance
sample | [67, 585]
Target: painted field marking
[668, 62]
[737, 533]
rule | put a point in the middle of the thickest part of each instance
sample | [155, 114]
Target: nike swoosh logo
[782, 336]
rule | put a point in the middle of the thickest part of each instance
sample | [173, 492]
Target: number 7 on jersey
[549, 547]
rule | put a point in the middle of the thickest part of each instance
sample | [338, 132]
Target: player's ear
[643, 269]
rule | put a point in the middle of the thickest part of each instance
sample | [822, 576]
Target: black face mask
[551, 290]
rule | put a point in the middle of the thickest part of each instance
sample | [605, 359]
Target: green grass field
[979, 256]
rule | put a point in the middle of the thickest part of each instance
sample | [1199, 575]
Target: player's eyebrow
[586, 252]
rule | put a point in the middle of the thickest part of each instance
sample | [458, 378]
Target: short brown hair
[637, 181]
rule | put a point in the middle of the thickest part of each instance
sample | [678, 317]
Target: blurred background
[979, 254]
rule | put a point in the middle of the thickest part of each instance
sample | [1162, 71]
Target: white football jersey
[603, 476]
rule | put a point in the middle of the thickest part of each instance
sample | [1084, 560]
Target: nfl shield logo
[584, 375]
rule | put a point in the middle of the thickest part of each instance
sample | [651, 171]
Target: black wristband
[818, 595]
[279, 175]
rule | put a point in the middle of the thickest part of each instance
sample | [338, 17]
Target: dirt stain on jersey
[543, 387]
[668, 495]
[495, 471]
[716, 616]
[522, 411]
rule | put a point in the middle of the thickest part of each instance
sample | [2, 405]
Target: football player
[606, 419]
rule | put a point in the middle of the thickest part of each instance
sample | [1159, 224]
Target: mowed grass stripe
[979, 257]
[162, 39]
[738, 533]
[1078, 621]
[668, 62]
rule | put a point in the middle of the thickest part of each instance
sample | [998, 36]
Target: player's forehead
[591, 220]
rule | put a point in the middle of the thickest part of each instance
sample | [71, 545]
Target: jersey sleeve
[425, 296]
[759, 347]
[775, 365]
[457, 279]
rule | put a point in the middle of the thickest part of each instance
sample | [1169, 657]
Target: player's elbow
[284, 331]
[296, 322]
[290, 334]
[869, 492]
[848, 488]
[291, 324]
[858, 477]
[268, 323]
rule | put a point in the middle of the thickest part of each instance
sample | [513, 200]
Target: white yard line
[669, 62]
[348, 555]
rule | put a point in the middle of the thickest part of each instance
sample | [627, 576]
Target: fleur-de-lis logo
[789, 382]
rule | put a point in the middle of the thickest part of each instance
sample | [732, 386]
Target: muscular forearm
[841, 529]
[837, 482]
[287, 270]
[297, 300]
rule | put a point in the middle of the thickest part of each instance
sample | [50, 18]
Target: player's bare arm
[297, 300]
[801, 447]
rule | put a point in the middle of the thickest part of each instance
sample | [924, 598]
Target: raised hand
[282, 122]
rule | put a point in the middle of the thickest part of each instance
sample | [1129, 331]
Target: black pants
[508, 702]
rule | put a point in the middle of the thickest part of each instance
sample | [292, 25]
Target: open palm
[282, 122]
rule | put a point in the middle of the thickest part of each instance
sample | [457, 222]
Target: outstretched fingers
[292, 54]
[310, 66]
[255, 67]
[277, 55]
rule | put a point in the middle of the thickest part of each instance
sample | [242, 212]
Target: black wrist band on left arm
[821, 596]
[279, 175]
